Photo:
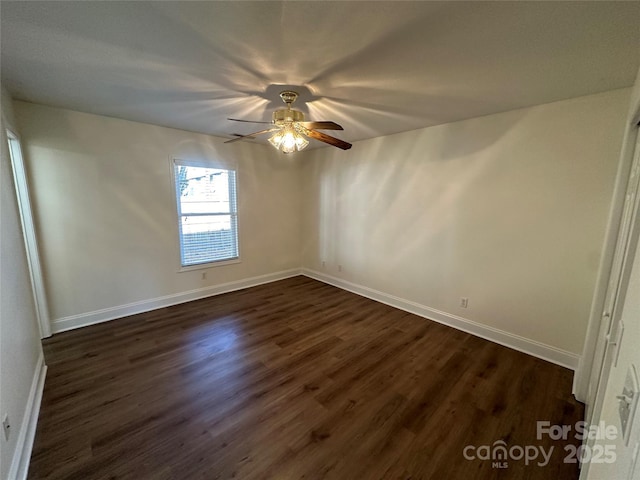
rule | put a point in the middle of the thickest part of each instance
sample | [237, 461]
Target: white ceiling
[374, 67]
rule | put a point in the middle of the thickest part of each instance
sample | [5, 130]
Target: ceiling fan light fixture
[288, 140]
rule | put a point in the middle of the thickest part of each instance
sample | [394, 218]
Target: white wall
[508, 210]
[20, 349]
[105, 212]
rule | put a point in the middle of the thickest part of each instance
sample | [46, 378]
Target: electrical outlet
[339, 268]
[464, 302]
[204, 275]
[324, 264]
[6, 426]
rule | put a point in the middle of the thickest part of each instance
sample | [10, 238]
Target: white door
[611, 329]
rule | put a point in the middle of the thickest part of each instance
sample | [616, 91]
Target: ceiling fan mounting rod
[288, 97]
[283, 116]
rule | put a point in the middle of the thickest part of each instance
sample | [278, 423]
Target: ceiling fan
[290, 128]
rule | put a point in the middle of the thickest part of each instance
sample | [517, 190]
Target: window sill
[204, 266]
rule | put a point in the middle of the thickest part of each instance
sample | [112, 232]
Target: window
[207, 214]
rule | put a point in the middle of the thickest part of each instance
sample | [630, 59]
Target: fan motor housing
[285, 115]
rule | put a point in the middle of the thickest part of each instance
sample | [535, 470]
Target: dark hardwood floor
[294, 379]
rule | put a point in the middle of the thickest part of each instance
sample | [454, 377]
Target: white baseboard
[531, 347]
[98, 316]
[578, 388]
[27, 434]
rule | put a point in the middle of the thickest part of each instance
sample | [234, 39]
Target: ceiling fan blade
[251, 135]
[322, 125]
[323, 137]
[244, 136]
[246, 121]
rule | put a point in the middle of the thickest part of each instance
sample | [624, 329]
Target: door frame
[611, 329]
[29, 232]
[623, 229]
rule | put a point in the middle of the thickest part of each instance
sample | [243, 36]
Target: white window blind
[207, 213]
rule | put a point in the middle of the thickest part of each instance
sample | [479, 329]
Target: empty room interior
[320, 240]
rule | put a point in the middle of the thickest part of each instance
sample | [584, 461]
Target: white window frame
[179, 161]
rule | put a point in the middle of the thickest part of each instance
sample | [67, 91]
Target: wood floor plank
[294, 379]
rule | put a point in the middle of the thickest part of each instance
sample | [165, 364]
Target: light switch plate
[628, 402]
